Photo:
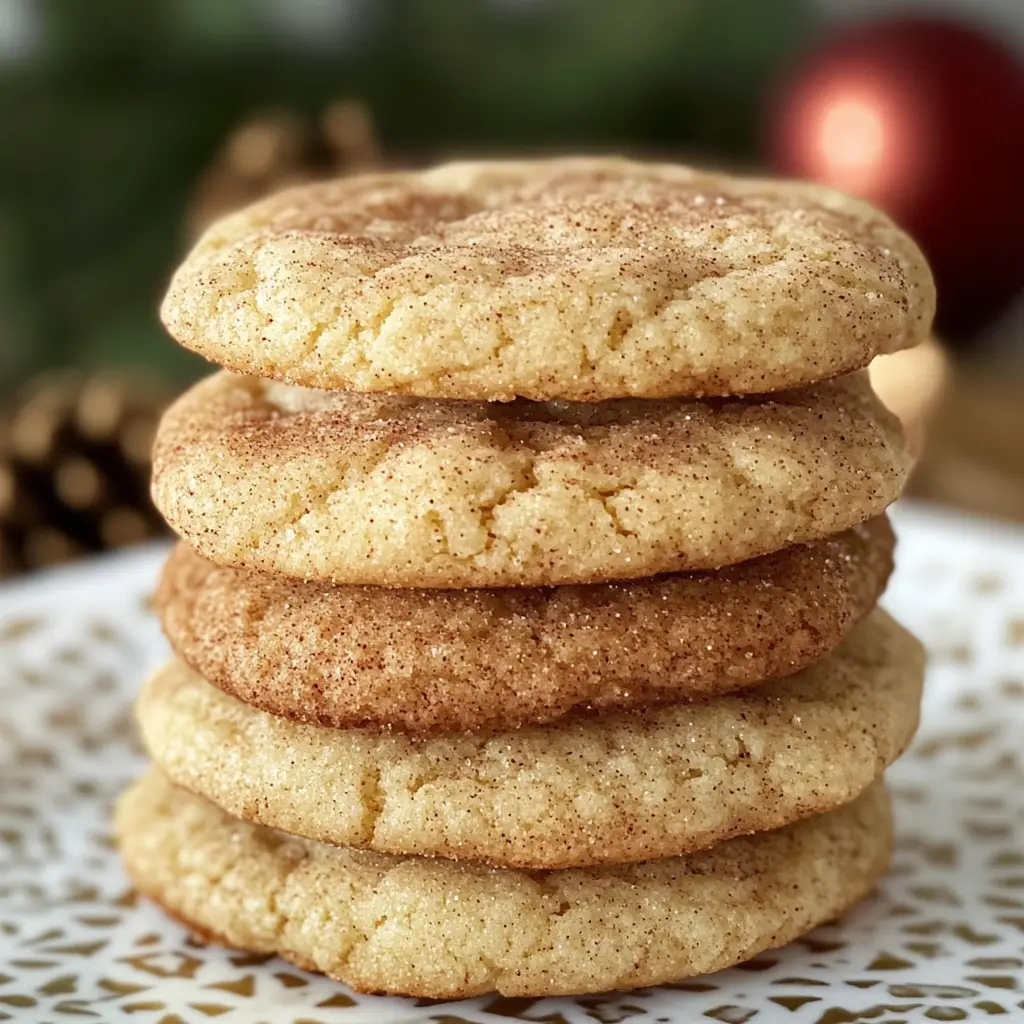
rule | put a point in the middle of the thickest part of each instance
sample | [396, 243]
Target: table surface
[941, 939]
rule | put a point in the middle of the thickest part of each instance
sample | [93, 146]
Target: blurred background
[125, 126]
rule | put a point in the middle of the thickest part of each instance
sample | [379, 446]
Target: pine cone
[74, 469]
[280, 149]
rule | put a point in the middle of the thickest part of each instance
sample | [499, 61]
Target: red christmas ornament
[924, 118]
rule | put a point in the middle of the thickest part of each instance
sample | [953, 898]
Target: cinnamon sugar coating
[434, 660]
[420, 493]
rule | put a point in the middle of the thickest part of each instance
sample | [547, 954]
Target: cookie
[433, 928]
[910, 384]
[581, 279]
[598, 790]
[412, 492]
[434, 660]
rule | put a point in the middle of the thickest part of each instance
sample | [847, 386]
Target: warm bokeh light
[854, 134]
[852, 140]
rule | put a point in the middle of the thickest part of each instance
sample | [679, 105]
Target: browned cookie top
[437, 660]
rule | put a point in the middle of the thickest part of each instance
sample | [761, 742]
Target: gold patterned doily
[941, 940]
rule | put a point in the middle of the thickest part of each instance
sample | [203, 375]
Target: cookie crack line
[527, 482]
[605, 497]
[524, 486]
[300, 505]
[372, 796]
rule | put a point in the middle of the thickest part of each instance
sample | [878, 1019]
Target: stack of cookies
[524, 618]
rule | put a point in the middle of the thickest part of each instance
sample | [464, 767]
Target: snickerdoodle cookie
[606, 789]
[911, 384]
[421, 493]
[582, 279]
[432, 928]
[435, 660]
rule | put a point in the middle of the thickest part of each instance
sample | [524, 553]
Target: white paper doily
[941, 940]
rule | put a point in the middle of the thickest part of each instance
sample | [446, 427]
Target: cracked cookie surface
[583, 279]
[420, 493]
[433, 928]
[607, 789]
[433, 660]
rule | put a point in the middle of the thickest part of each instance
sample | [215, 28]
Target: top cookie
[582, 279]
